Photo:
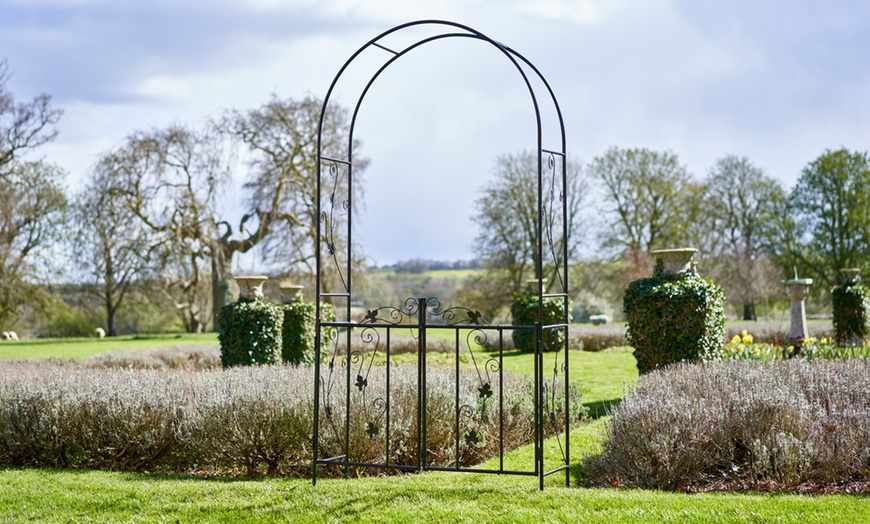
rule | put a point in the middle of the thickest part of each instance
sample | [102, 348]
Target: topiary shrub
[674, 318]
[299, 330]
[524, 312]
[249, 331]
[851, 307]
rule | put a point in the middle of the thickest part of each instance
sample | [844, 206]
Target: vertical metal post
[317, 328]
[347, 409]
[421, 383]
[501, 399]
[567, 409]
[389, 402]
[539, 403]
[456, 402]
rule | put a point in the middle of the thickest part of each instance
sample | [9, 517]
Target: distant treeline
[419, 265]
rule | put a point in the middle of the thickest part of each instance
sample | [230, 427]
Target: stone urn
[251, 286]
[850, 275]
[533, 283]
[676, 261]
[289, 291]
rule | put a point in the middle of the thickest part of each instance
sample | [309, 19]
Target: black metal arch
[336, 211]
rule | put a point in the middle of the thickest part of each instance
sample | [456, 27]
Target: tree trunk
[111, 330]
[196, 324]
[111, 305]
[749, 311]
[221, 283]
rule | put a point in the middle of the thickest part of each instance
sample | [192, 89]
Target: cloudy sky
[778, 81]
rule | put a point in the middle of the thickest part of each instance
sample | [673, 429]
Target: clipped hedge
[851, 308]
[674, 318]
[249, 332]
[299, 330]
[524, 312]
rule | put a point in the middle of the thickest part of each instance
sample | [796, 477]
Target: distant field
[457, 274]
[86, 347]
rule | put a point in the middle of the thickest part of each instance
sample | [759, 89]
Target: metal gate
[365, 404]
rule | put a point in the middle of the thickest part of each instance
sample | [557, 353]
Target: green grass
[90, 496]
[86, 347]
[32, 495]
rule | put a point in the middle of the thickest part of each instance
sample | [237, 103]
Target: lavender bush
[781, 424]
[248, 420]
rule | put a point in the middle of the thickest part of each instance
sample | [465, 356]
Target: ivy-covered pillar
[249, 329]
[851, 301]
[676, 315]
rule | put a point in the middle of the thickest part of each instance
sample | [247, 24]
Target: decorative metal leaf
[484, 391]
[372, 429]
[361, 382]
[472, 438]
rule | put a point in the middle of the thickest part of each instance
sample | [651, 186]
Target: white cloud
[776, 81]
[583, 12]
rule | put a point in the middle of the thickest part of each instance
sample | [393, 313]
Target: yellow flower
[746, 337]
[757, 351]
[735, 340]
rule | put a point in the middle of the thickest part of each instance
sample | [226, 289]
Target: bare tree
[23, 126]
[507, 219]
[32, 209]
[281, 138]
[172, 180]
[110, 246]
[645, 191]
[741, 204]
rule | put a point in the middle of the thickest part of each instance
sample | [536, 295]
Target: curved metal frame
[423, 307]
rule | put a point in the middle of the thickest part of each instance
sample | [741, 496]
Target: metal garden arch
[353, 398]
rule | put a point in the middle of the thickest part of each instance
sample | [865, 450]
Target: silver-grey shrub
[188, 356]
[63, 415]
[250, 419]
[248, 416]
[781, 424]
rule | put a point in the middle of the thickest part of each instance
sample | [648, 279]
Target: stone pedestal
[251, 286]
[797, 289]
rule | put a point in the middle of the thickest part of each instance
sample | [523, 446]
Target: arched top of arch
[444, 30]
[335, 212]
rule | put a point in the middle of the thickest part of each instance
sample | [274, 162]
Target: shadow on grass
[601, 408]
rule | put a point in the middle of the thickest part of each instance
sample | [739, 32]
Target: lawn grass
[77, 348]
[34, 495]
[91, 496]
